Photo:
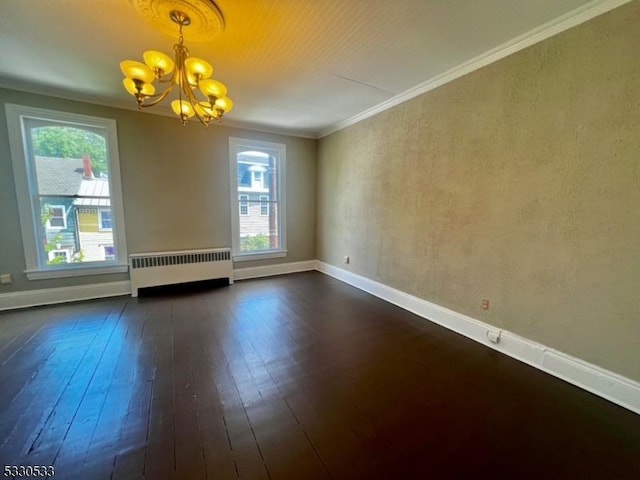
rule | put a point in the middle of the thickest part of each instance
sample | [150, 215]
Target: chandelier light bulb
[183, 109]
[199, 68]
[147, 89]
[160, 63]
[213, 88]
[225, 104]
[137, 71]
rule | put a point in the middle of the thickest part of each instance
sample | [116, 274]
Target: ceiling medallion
[206, 19]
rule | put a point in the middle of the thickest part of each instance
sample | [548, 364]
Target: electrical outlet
[347, 259]
[485, 304]
[5, 278]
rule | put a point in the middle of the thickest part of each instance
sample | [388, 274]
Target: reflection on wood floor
[292, 377]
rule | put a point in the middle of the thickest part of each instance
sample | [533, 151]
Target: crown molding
[547, 30]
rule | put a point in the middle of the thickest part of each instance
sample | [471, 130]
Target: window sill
[248, 256]
[75, 271]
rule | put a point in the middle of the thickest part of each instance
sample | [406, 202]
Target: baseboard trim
[604, 383]
[49, 296]
[271, 270]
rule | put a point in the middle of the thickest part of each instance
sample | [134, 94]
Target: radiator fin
[166, 259]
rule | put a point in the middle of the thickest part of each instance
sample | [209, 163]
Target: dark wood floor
[294, 377]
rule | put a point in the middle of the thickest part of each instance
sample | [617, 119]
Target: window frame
[24, 178]
[237, 145]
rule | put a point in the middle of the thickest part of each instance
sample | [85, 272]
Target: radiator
[167, 268]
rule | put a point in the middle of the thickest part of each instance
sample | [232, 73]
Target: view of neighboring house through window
[67, 180]
[257, 179]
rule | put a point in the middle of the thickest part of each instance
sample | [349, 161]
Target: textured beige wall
[519, 183]
[175, 185]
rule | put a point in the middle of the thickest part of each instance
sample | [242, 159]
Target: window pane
[82, 149]
[258, 218]
[56, 222]
[72, 178]
[259, 232]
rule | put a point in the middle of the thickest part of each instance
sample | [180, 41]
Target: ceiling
[303, 67]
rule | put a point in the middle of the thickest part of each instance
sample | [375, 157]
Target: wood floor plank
[292, 377]
[46, 406]
[160, 448]
[83, 402]
[130, 457]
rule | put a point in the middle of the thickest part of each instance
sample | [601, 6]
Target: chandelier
[184, 73]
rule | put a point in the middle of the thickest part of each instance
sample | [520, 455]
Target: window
[105, 219]
[264, 205]
[257, 198]
[58, 256]
[258, 178]
[244, 205]
[56, 216]
[67, 181]
[109, 252]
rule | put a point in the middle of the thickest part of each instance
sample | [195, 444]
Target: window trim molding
[73, 271]
[24, 184]
[280, 151]
[259, 255]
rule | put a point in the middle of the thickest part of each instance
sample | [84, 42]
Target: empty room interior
[295, 239]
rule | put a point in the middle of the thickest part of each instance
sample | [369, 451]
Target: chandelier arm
[195, 101]
[158, 97]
